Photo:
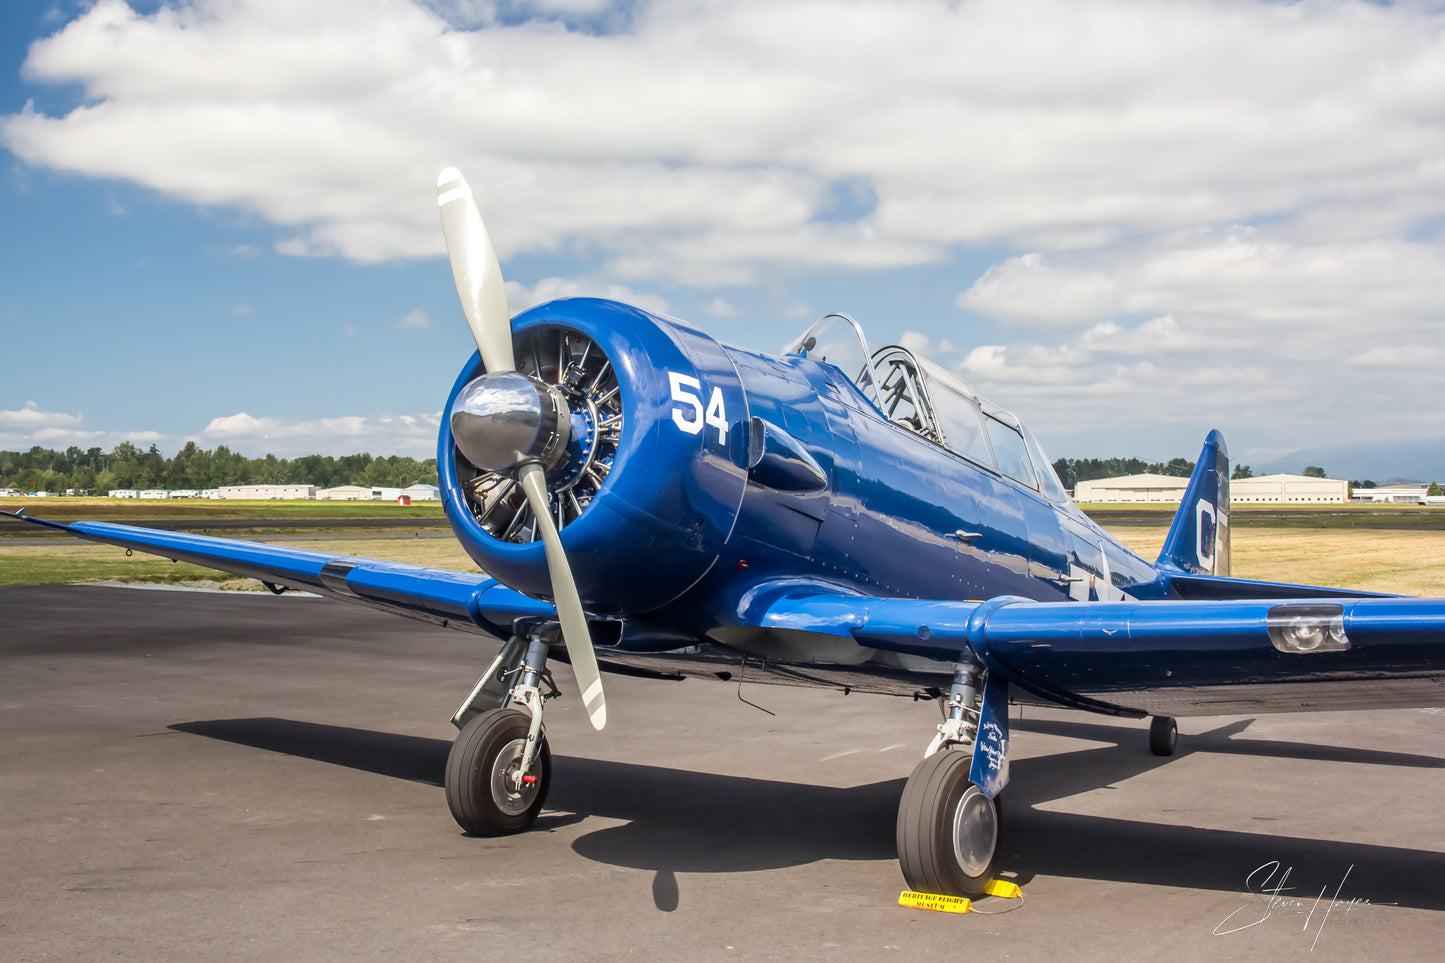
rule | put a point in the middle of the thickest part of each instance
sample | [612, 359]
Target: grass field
[1113, 515]
[51, 564]
[1402, 561]
[134, 511]
[1370, 548]
[232, 519]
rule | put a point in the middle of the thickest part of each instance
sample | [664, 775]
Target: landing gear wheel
[1163, 735]
[948, 830]
[479, 778]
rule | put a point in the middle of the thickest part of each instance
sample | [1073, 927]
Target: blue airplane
[649, 501]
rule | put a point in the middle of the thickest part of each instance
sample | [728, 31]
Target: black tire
[478, 793]
[1163, 735]
[939, 800]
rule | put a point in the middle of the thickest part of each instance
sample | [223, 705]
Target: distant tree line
[1071, 471]
[94, 471]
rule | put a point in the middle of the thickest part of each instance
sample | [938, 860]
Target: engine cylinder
[645, 505]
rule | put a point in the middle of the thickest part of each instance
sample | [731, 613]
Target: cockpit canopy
[924, 398]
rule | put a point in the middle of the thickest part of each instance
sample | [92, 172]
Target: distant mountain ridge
[1383, 462]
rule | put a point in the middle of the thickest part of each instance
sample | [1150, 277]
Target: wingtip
[447, 176]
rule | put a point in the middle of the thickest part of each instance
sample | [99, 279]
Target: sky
[1128, 221]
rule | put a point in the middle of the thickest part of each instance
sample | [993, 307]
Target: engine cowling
[650, 476]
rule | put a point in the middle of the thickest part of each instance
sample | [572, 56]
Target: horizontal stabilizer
[1200, 587]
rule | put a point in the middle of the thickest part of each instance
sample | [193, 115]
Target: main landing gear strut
[500, 768]
[949, 818]
[948, 827]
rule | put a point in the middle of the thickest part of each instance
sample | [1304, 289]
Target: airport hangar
[1299, 489]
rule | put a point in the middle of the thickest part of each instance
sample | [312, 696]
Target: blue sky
[1127, 221]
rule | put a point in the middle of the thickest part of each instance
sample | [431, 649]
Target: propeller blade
[564, 591]
[476, 271]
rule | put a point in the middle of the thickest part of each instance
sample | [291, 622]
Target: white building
[345, 493]
[422, 493]
[123, 493]
[267, 491]
[154, 493]
[1393, 495]
[1282, 489]
[1132, 488]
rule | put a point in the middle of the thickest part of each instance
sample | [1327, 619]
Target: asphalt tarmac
[199, 776]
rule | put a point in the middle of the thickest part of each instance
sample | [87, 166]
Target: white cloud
[720, 308]
[414, 435]
[1282, 341]
[414, 319]
[1152, 337]
[795, 310]
[701, 138]
[1027, 290]
[402, 434]
[1213, 204]
[1398, 356]
[23, 428]
[921, 344]
[521, 297]
[30, 417]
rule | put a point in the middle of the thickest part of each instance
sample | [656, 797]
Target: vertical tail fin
[1198, 541]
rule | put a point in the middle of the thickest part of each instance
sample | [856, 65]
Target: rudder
[1198, 540]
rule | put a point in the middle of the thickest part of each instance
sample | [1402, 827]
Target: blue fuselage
[693, 523]
[901, 517]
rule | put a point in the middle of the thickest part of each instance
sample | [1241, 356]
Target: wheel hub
[511, 794]
[975, 831]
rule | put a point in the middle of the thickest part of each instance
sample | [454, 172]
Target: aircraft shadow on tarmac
[678, 821]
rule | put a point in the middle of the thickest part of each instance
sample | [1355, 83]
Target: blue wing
[1170, 658]
[457, 599]
[1179, 657]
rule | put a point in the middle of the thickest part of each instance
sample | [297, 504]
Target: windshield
[837, 339]
[958, 416]
[932, 401]
[1053, 488]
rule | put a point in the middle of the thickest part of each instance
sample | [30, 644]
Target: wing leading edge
[1174, 658]
[459, 599]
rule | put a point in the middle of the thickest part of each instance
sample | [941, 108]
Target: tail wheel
[481, 791]
[1163, 735]
[948, 830]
